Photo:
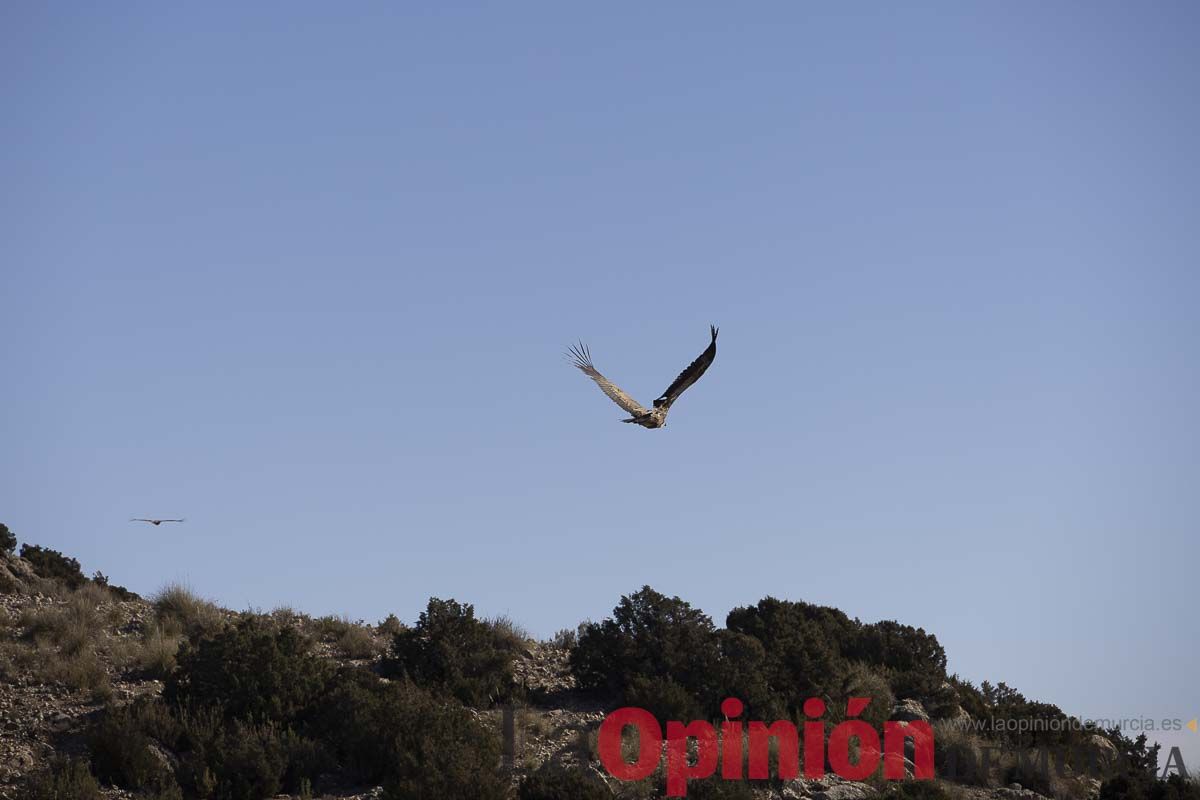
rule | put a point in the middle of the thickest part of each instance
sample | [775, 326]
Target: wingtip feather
[580, 356]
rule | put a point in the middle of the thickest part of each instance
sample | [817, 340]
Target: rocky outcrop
[1102, 752]
[16, 575]
[909, 710]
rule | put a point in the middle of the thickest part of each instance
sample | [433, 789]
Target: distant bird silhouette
[657, 416]
[154, 521]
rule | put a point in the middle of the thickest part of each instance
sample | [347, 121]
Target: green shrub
[742, 661]
[63, 779]
[914, 660]
[1049, 727]
[415, 743]
[451, 651]
[651, 645]
[149, 746]
[903, 649]
[348, 717]
[253, 671]
[357, 643]
[53, 565]
[565, 639]
[557, 782]
[329, 627]
[305, 759]
[8, 540]
[810, 651]
[248, 761]
[118, 592]
[352, 640]
[123, 745]
[1137, 778]
[959, 755]
[439, 750]
[662, 697]
[801, 644]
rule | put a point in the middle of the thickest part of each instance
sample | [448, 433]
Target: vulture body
[655, 417]
[155, 522]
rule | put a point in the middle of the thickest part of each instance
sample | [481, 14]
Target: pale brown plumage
[657, 416]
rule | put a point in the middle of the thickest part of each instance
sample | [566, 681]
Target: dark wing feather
[583, 359]
[691, 374]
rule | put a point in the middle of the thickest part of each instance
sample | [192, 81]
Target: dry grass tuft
[157, 654]
[391, 626]
[357, 643]
[352, 640]
[508, 633]
[959, 754]
[180, 611]
[64, 643]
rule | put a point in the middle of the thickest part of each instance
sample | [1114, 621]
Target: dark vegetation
[63, 779]
[452, 652]
[251, 706]
[660, 653]
[555, 783]
[53, 565]
[1137, 778]
[251, 711]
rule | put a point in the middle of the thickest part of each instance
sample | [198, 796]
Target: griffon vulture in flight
[648, 418]
[154, 521]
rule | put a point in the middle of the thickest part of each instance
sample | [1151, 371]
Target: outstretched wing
[691, 374]
[583, 359]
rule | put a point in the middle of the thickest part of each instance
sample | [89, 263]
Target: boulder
[850, 790]
[909, 710]
[1101, 752]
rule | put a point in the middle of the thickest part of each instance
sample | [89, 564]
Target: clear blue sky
[304, 275]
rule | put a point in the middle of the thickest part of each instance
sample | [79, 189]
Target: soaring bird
[154, 521]
[657, 416]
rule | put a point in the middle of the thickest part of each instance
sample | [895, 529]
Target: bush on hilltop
[451, 651]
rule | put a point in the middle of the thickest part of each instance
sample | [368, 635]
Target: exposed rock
[849, 790]
[543, 668]
[798, 789]
[960, 716]
[909, 710]
[165, 757]
[1016, 792]
[58, 722]
[16, 575]
[1102, 752]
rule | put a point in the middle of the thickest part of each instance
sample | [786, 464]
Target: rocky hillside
[86, 667]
